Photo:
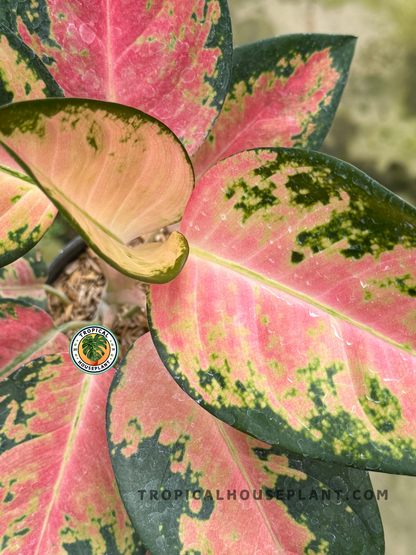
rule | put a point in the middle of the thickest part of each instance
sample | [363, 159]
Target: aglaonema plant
[284, 307]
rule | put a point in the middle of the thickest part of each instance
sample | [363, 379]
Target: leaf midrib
[86, 386]
[76, 206]
[236, 458]
[110, 61]
[321, 480]
[41, 342]
[199, 253]
[28, 287]
[16, 174]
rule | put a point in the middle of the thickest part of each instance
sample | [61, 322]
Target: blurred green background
[374, 129]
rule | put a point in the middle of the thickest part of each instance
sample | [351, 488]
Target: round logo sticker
[94, 349]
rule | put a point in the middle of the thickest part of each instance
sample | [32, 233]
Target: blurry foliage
[402, 12]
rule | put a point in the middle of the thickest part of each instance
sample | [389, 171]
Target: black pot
[70, 252]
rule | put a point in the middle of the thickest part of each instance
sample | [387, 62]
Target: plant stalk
[131, 312]
[59, 294]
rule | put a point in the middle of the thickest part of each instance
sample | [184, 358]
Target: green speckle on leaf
[47, 60]
[296, 257]
[380, 405]
[400, 284]
[252, 198]
[95, 137]
[9, 497]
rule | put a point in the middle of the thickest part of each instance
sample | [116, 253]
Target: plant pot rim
[68, 254]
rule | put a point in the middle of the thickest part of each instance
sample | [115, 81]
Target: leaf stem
[131, 312]
[57, 293]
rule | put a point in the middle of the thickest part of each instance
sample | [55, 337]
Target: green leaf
[121, 174]
[93, 346]
[164, 442]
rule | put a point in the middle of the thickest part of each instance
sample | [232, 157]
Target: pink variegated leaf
[169, 58]
[254, 498]
[27, 332]
[24, 280]
[121, 174]
[284, 92]
[25, 213]
[58, 493]
[23, 76]
[294, 318]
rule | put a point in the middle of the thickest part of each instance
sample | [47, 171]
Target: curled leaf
[114, 173]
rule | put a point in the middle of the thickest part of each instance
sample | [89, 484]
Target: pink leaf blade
[58, 490]
[25, 215]
[24, 279]
[176, 447]
[284, 92]
[170, 59]
[26, 332]
[293, 319]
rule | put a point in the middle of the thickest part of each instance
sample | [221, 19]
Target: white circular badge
[94, 349]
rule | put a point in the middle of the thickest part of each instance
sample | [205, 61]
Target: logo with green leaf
[94, 347]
